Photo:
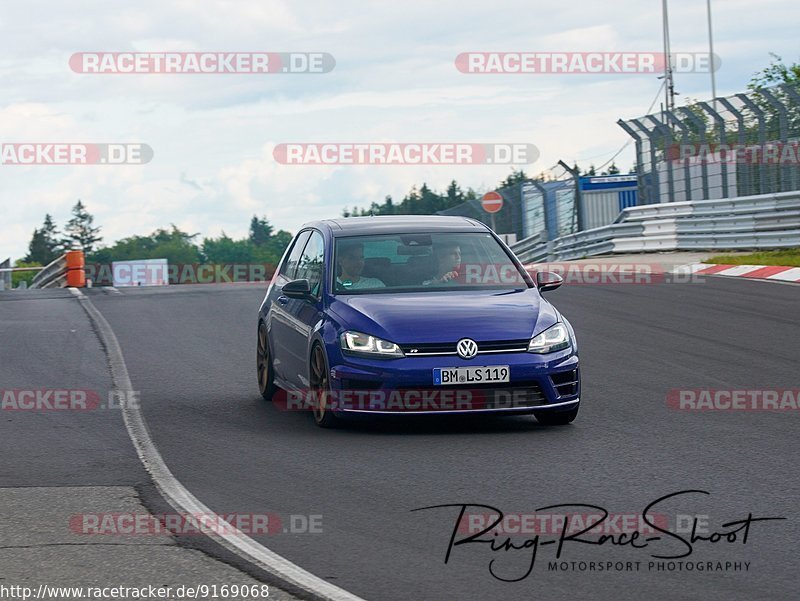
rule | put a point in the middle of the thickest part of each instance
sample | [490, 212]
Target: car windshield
[422, 262]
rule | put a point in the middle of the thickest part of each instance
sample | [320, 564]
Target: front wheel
[320, 386]
[560, 418]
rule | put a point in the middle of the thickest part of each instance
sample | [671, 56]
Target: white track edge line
[179, 497]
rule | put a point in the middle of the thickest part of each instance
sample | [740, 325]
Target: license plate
[493, 374]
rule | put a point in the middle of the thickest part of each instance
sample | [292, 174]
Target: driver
[351, 264]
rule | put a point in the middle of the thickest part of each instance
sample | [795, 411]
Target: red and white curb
[754, 272]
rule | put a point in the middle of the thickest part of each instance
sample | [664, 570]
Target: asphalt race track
[190, 351]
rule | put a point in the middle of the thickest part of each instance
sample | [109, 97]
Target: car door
[279, 321]
[303, 314]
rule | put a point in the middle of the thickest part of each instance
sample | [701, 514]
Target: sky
[395, 80]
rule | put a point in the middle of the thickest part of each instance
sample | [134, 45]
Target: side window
[310, 265]
[290, 265]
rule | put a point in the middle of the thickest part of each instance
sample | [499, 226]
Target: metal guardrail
[53, 275]
[742, 204]
[533, 244]
[766, 221]
[6, 272]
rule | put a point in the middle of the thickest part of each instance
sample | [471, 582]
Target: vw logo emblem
[467, 348]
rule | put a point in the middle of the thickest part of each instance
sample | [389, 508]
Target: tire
[560, 418]
[265, 372]
[320, 386]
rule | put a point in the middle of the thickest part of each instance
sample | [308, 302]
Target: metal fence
[717, 174]
[530, 207]
[566, 203]
[738, 145]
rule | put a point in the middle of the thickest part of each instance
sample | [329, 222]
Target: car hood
[446, 316]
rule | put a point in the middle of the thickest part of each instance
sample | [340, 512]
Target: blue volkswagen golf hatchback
[413, 315]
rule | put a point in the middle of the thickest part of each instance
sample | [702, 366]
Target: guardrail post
[784, 185]
[5, 276]
[666, 135]
[685, 137]
[578, 195]
[641, 196]
[701, 130]
[722, 137]
[545, 210]
[748, 178]
[794, 93]
[762, 138]
[655, 179]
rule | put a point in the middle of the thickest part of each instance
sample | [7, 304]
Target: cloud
[394, 80]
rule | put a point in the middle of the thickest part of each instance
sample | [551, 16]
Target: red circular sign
[492, 202]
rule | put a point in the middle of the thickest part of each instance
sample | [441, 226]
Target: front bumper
[405, 385]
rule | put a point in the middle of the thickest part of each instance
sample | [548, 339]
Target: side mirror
[547, 280]
[297, 289]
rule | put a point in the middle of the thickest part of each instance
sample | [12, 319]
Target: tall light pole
[711, 57]
[669, 87]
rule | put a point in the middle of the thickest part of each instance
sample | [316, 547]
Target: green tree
[227, 250]
[174, 245]
[17, 277]
[425, 201]
[80, 231]
[260, 231]
[776, 72]
[454, 195]
[278, 245]
[44, 246]
[514, 178]
[37, 248]
[273, 250]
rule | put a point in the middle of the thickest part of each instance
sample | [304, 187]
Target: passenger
[351, 264]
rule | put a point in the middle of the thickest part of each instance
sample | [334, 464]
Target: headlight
[554, 338]
[356, 342]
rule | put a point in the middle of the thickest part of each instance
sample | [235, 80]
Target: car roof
[398, 224]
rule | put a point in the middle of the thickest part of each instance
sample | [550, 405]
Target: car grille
[449, 348]
[448, 398]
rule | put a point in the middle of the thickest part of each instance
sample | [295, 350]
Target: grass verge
[789, 257]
